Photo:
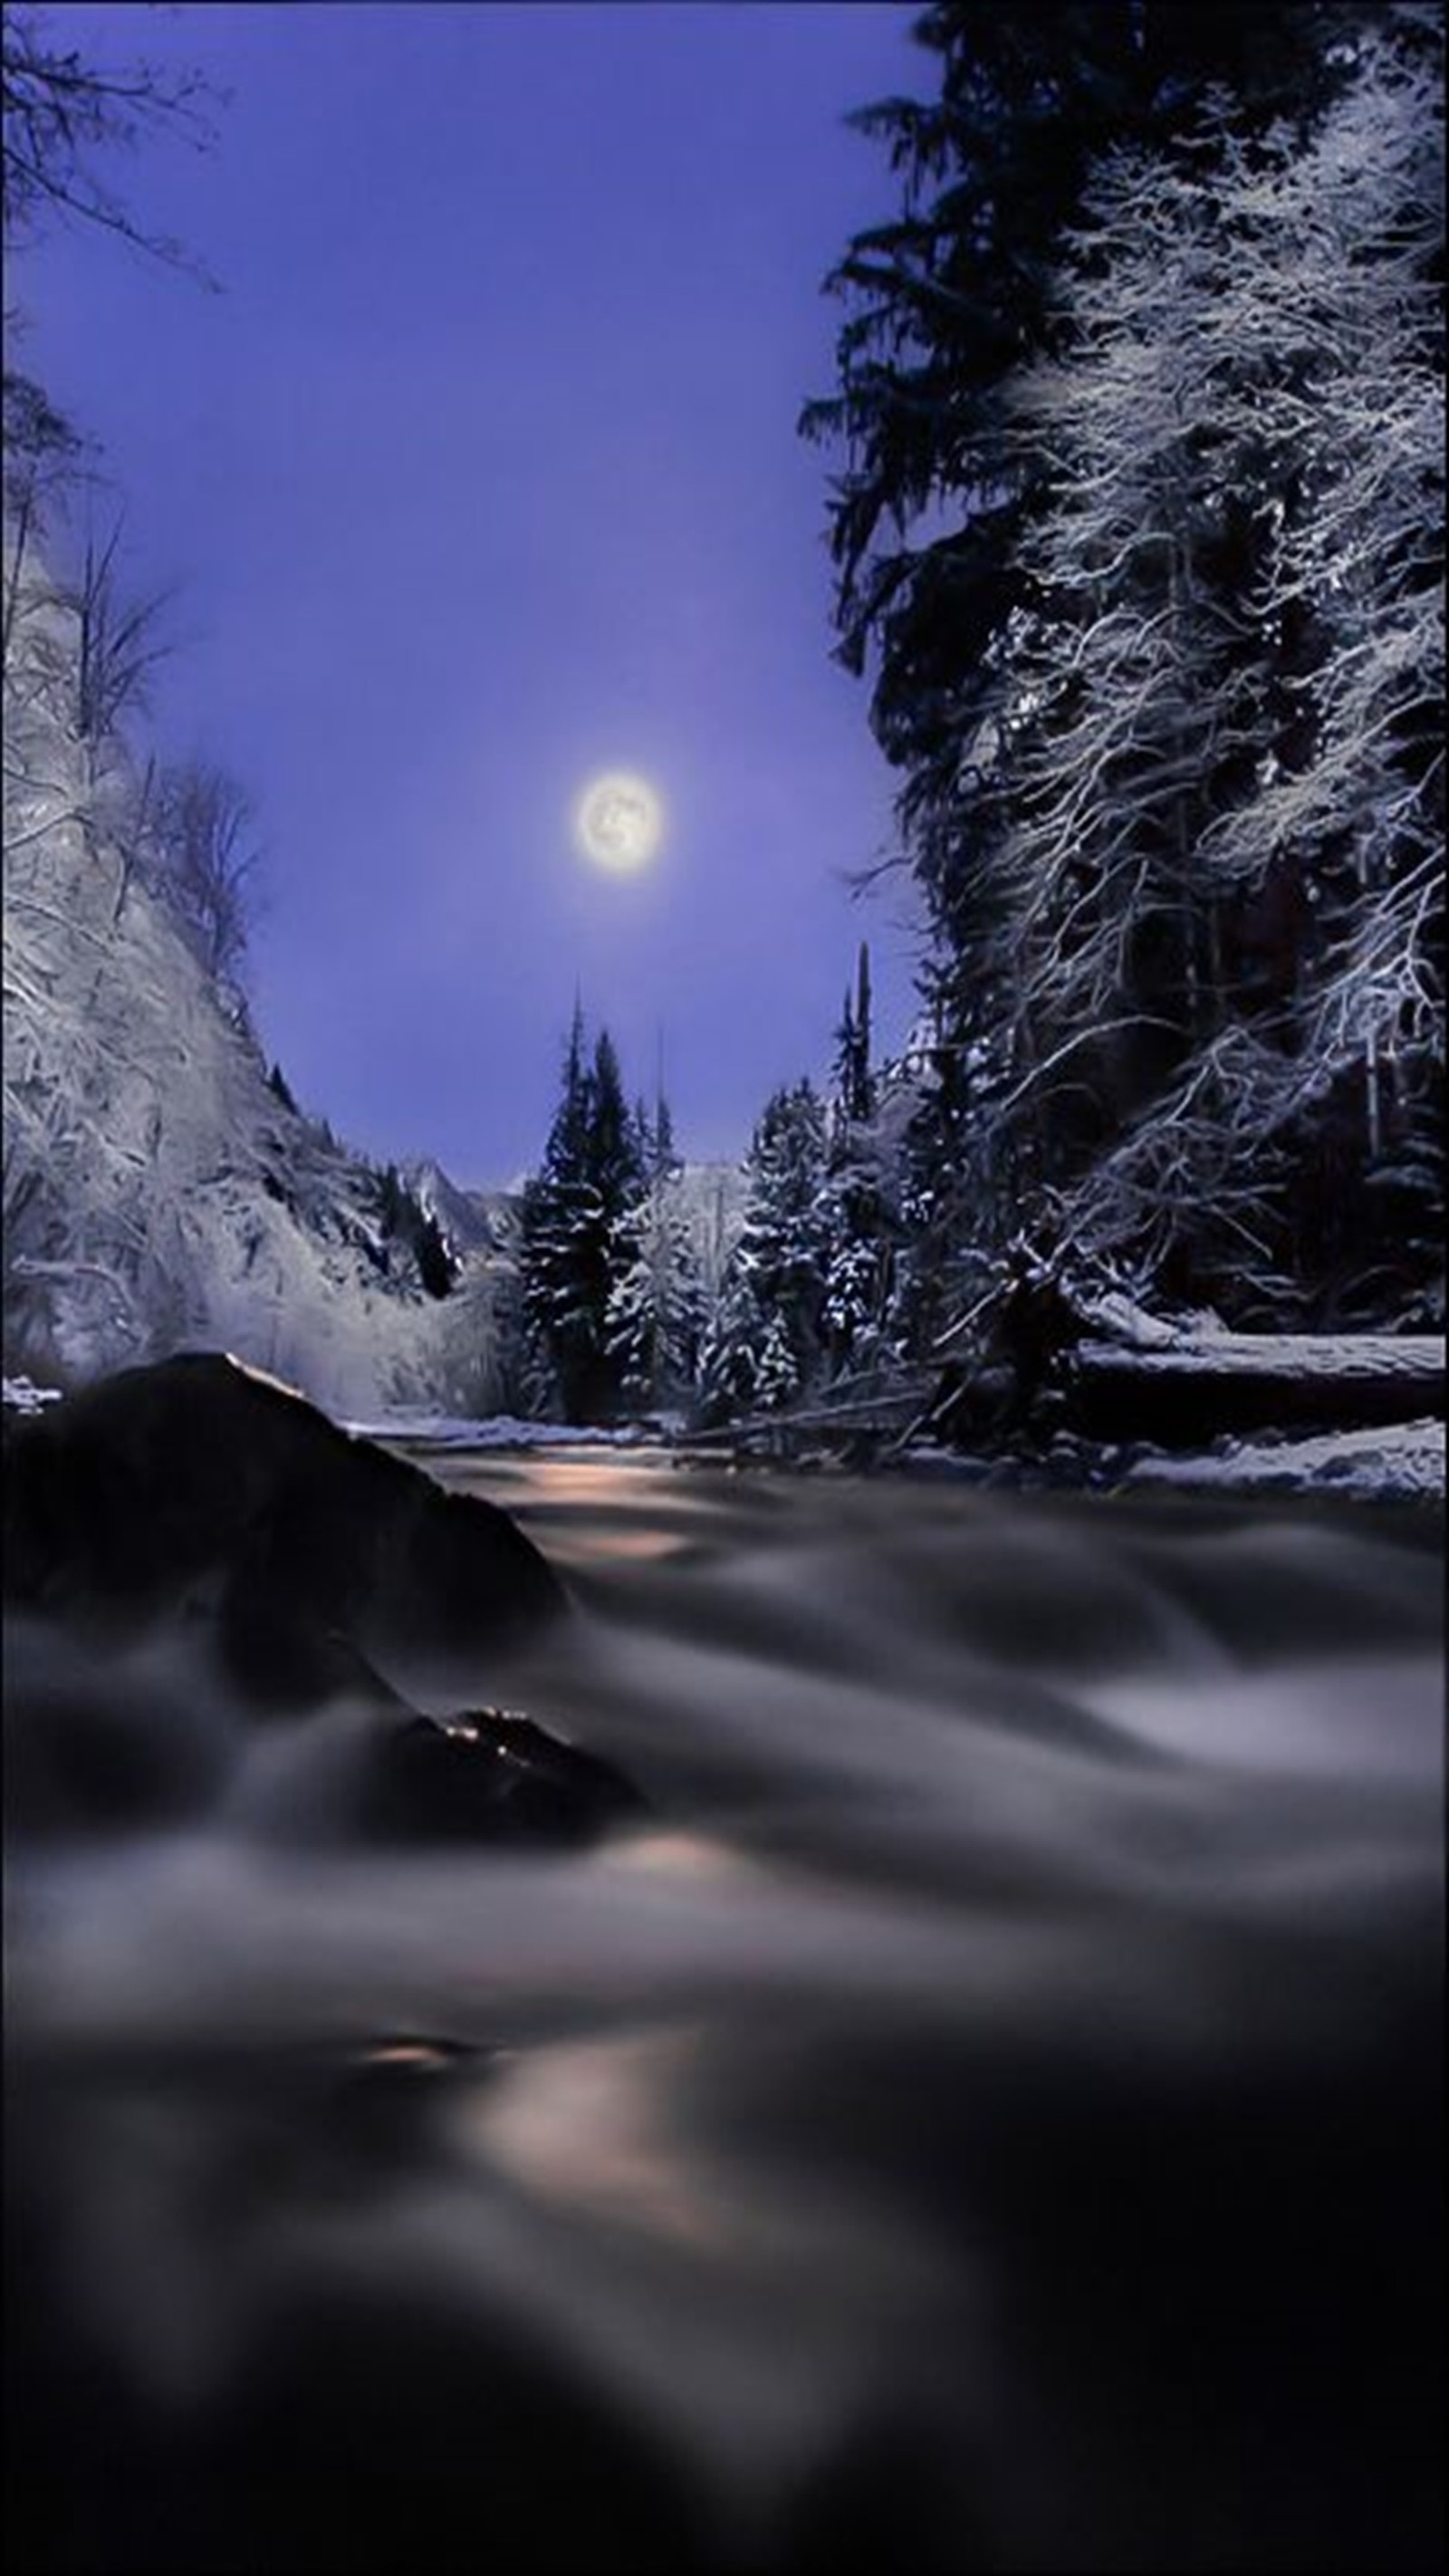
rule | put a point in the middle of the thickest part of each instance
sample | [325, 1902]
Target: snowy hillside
[159, 1192]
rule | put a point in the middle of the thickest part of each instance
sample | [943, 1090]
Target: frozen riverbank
[1395, 1463]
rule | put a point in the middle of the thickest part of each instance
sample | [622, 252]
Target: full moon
[619, 822]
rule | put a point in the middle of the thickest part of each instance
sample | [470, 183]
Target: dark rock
[200, 1485]
[489, 1777]
[281, 1662]
[206, 1508]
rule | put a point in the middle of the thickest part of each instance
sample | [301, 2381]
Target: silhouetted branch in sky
[60, 112]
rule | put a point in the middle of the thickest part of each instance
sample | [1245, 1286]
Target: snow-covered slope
[158, 1193]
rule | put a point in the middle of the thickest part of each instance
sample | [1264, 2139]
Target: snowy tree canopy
[1142, 403]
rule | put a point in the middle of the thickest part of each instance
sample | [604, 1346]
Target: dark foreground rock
[198, 1486]
[191, 1525]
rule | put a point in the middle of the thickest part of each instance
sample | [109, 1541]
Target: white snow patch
[1401, 1462]
[19, 1395]
[1170, 1351]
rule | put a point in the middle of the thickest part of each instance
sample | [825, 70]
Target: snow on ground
[1400, 1462]
[500, 1431]
[1289, 1355]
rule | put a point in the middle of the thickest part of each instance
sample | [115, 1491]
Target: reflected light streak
[583, 2122]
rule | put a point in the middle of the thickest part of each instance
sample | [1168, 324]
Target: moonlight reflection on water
[989, 2116]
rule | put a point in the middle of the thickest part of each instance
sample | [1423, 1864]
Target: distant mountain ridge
[461, 1215]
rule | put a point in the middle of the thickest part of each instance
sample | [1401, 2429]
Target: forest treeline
[630, 1305]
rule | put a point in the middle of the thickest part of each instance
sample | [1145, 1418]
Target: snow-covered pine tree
[615, 1148]
[853, 1096]
[777, 1268]
[655, 1300]
[777, 1370]
[857, 1283]
[727, 1379]
[559, 1205]
[858, 1226]
[574, 1237]
[661, 1157]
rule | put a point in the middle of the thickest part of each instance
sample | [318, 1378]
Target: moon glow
[619, 822]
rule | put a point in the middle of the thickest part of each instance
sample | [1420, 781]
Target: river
[989, 2118]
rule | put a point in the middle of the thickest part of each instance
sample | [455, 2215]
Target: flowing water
[990, 2117]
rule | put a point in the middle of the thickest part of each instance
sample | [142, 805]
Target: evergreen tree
[575, 1241]
[774, 1286]
[857, 1224]
[655, 1301]
[853, 1089]
[559, 1206]
[777, 1371]
[856, 1290]
[662, 1159]
[615, 1153]
[730, 1349]
[781, 1247]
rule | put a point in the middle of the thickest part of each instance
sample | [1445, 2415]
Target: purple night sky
[482, 476]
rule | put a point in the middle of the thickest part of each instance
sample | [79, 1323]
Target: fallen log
[1105, 1368]
[892, 1408]
[1188, 1389]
